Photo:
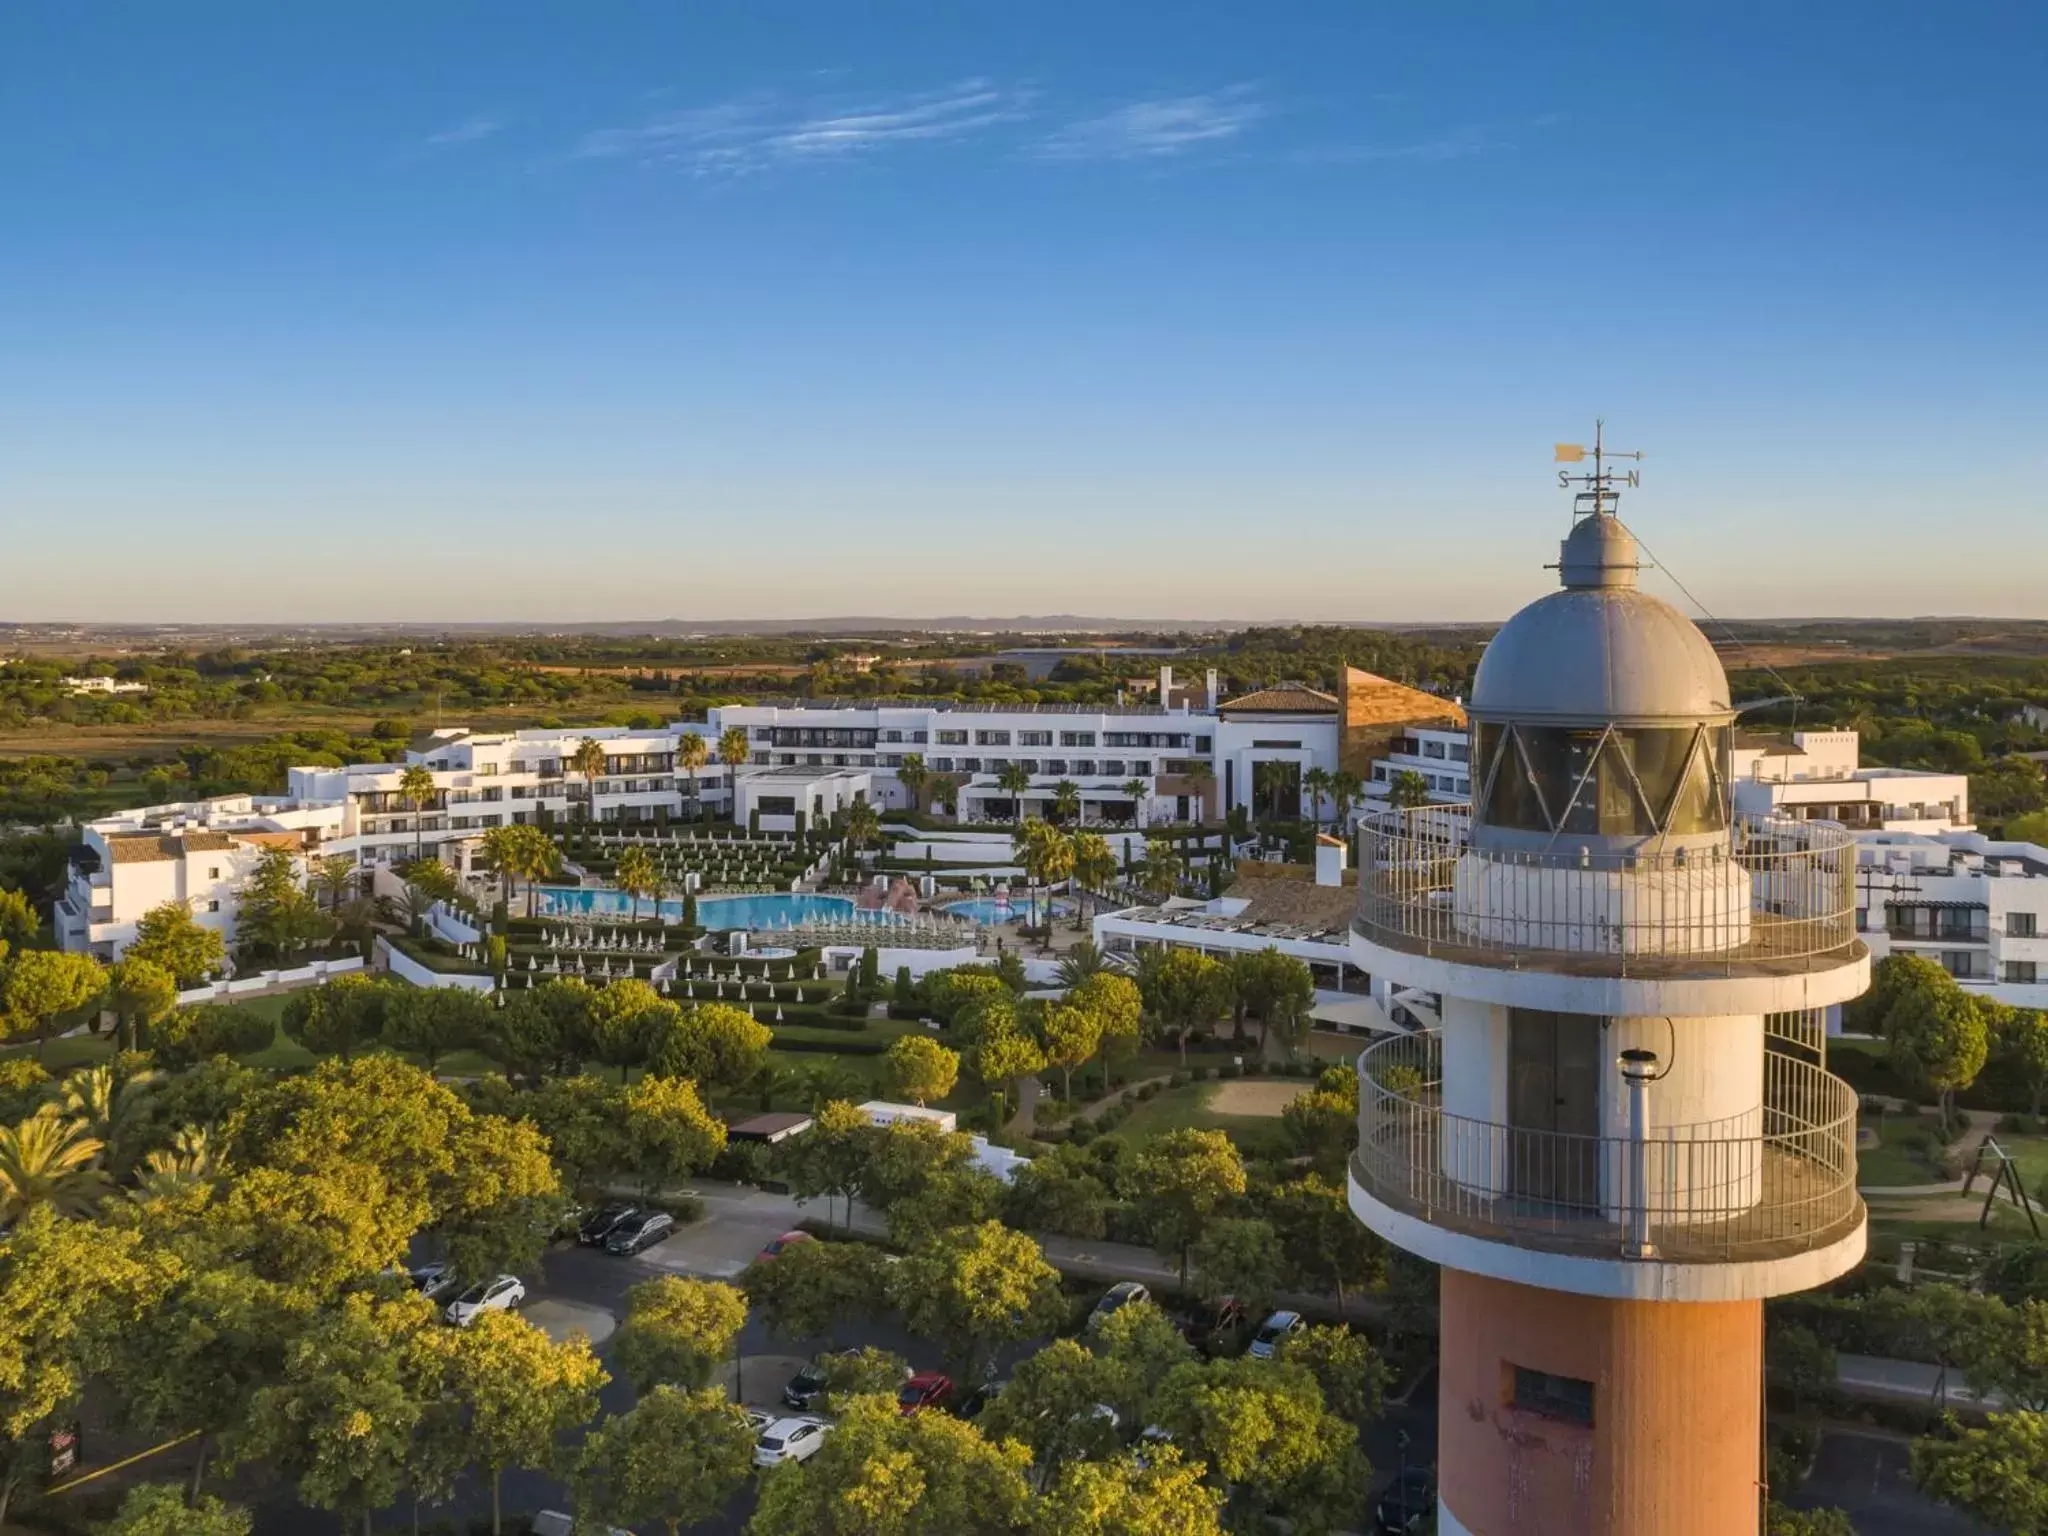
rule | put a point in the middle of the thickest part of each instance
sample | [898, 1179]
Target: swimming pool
[780, 909]
[1001, 909]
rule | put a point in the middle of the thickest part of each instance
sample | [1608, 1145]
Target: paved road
[1866, 1475]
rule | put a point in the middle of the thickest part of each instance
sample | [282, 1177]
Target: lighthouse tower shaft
[1622, 1135]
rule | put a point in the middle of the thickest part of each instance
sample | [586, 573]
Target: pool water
[780, 909]
[1000, 909]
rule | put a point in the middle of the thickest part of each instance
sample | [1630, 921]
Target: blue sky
[1250, 311]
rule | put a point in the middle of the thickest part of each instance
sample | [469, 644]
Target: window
[970, 765]
[1460, 752]
[2020, 925]
[213, 871]
[1379, 773]
[1618, 782]
[892, 735]
[918, 737]
[952, 738]
[1958, 962]
[1433, 749]
[1564, 1398]
[2020, 972]
[1273, 746]
[1077, 738]
[991, 738]
[942, 765]
[1084, 768]
[1035, 739]
[213, 906]
[777, 805]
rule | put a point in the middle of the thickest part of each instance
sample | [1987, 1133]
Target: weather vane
[1602, 491]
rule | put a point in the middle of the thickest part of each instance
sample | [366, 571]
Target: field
[1247, 1112]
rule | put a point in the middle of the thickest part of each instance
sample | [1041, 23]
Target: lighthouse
[1621, 1136]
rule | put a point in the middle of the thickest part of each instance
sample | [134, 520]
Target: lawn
[1188, 1106]
[1905, 1154]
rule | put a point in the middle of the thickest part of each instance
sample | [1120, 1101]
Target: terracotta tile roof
[149, 847]
[1284, 698]
[1370, 699]
[292, 840]
[1302, 903]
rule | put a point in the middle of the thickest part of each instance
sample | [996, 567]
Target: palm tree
[334, 873]
[1015, 779]
[913, 777]
[1094, 867]
[499, 845]
[1046, 854]
[103, 1103]
[1066, 801]
[192, 1158]
[863, 826]
[1201, 776]
[1345, 789]
[1137, 789]
[634, 875]
[1317, 782]
[588, 760]
[1163, 868]
[416, 789]
[534, 858]
[49, 1160]
[732, 751]
[692, 753]
[945, 791]
[1079, 963]
[1407, 790]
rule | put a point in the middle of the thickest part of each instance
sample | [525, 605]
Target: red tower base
[1571, 1414]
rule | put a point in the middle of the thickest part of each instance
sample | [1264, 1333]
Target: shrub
[1177, 1079]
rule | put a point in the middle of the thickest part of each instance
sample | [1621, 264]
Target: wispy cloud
[1171, 125]
[469, 131]
[757, 132]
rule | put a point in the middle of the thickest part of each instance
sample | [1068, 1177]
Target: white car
[789, 1440]
[499, 1295]
[758, 1421]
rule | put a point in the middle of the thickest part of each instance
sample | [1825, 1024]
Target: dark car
[637, 1232]
[974, 1402]
[806, 1389]
[1208, 1326]
[1408, 1504]
[599, 1224]
[927, 1389]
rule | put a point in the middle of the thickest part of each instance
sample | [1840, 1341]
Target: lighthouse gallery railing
[1777, 892]
[1778, 1181]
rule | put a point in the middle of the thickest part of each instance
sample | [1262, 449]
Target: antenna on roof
[1602, 491]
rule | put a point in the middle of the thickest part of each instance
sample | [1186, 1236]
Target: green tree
[677, 1330]
[1779, 1520]
[1891, 979]
[141, 993]
[1268, 1439]
[542, 1031]
[1998, 1472]
[1014, 780]
[974, 1289]
[1094, 867]
[2021, 1045]
[44, 983]
[1059, 1191]
[1050, 1405]
[958, 1197]
[1004, 1055]
[912, 774]
[1141, 1347]
[276, 914]
[1346, 1367]
[1071, 1038]
[811, 1290]
[167, 935]
[635, 875]
[1163, 868]
[20, 926]
[1239, 1258]
[1277, 990]
[519, 1392]
[416, 789]
[1116, 1002]
[2006, 1354]
[1184, 989]
[885, 1473]
[1081, 961]
[341, 1418]
[692, 753]
[829, 1158]
[867, 1371]
[712, 1043]
[339, 1017]
[675, 1459]
[1179, 1182]
[1407, 789]
[920, 1069]
[669, 1132]
[159, 1509]
[432, 1021]
[1322, 1124]
[1938, 1041]
[901, 1160]
[1324, 1245]
[1154, 1495]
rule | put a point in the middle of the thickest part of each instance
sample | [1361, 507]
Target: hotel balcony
[1778, 898]
[1772, 1184]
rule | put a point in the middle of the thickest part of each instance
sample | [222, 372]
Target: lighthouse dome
[1600, 651]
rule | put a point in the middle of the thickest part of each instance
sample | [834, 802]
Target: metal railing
[1777, 1181]
[1777, 892]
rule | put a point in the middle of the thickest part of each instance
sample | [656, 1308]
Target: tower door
[1554, 1105]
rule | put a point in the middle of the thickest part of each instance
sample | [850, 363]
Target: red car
[927, 1389]
[776, 1247]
